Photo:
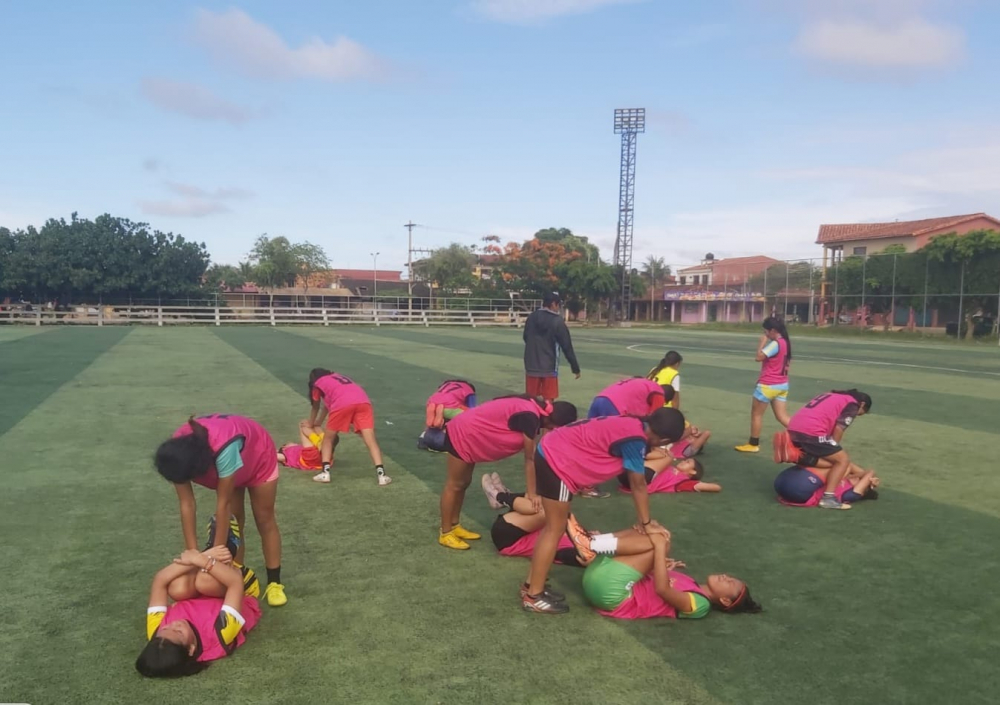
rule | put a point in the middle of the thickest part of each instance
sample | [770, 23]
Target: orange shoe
[580, 538]
[784, 450]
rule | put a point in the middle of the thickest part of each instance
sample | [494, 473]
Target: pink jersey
[258, 454]
[667, 481]
[338, 391]
[302, 457]
[644, 603]
[774, 370]
[525, 546]
[819, 417]
[483, 434]
[580, 454]
[635, 397]
[202, 613]
[843, 488]
[452, 394]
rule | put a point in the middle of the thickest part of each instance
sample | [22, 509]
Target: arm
[230, 577]
[313, 412]
[566, 343]
[529, 475]
[677, 599]
[185, 495]
[640, 496]
[223, 498]
[864, 483]
[838, 432]
[632, 452]
[676, 401]
[707, 487]
[158, 596]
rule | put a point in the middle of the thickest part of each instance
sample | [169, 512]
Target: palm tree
[658, 272]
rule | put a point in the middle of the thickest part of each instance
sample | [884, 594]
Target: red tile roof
[906, 228]
[735, 262]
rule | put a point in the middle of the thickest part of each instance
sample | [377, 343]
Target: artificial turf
[892, 602]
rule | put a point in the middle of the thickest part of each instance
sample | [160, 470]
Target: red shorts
[545, 387]
[358, 415]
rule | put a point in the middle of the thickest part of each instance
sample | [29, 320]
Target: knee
[265, 520]
[460, 484]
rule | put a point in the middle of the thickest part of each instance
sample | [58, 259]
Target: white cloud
[235, 39]
[193, 100]
[914, 43]
[219, 194]
[524, 11]
[185, 208]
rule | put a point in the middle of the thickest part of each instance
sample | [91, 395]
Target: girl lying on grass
[305, 455]
[799, 486]
[667, 474]
[214, 606]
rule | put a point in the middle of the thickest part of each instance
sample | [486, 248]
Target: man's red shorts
[545, 387]
[358, 415]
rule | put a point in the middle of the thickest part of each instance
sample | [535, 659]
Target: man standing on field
[545, 334]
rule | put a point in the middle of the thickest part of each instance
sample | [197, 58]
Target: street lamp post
[374, 279]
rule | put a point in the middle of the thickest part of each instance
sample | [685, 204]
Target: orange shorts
[545, 387]
[358, 415]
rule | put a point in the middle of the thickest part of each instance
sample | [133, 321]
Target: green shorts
[607, 582]
[449, 414]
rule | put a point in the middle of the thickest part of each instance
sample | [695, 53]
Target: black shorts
[814, 447]
[623, 478]
[505, 534]
[547, 483]
[447, 447]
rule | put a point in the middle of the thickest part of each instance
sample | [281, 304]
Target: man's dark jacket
[543, 331]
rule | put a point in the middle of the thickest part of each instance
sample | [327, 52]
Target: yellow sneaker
[251, 586]
[449, 540]
[747, 448]
[465, 533]
[274, 593]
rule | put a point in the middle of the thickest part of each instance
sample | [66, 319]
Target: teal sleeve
[633, 455]
[771, 349]
[229, 461]
[700, 607]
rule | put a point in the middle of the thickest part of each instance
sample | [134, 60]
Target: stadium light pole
[629, 123]
[374, 278]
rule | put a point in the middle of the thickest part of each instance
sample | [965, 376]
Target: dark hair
[699, 469]
[775, 323]
[187, 457]
[314, 376]
[563, 413]
[859, 397]
[667, 424]
[871, 493]
[745, 604]
[670, 359]
[459, 381]
[165, 659]
[668, 393]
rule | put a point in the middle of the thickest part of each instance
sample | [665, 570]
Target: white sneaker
[384, 480]
[323, 476]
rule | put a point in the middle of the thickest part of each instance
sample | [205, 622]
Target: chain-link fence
[910, 291]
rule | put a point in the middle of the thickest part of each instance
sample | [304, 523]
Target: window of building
[861, 250]
[683, 281]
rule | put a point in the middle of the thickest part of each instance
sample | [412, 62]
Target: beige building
[849, 239]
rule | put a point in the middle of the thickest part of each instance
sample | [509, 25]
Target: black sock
[274, 575]
[326, 467]
[507, 498]
[754, 441]
[379, 470]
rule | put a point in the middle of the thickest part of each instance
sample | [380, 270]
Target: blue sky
[336, 121]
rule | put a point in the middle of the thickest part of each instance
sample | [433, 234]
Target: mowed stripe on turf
[464, 603]
[788, 554]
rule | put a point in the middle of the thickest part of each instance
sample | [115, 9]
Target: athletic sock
[274, 575]
[604, 543]
[829, 495]
[326, 467]
[754, 441]
[379, 470]
[507, 498]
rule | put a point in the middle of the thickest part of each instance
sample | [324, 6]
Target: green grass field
[896, 601]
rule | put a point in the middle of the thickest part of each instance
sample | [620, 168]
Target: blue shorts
[771, 392]
[796, 485]
[602, 406]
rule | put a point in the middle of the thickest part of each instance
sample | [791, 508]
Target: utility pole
[409, 261]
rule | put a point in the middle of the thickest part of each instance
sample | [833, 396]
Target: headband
[739, 599]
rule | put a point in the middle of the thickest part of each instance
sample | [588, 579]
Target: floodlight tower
[629, 123]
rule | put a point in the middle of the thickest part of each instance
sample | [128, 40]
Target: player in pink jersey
[498, 429]
[774, 353]
[586, 454]
[346, 406]
[215, 606]
[451, 398]
[646, 584]
[803, 487]
[667, 475]
[304, 455]
[814, 435]
[233, 455]
[637, 396]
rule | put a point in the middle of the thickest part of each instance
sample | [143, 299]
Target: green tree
[450, 267]
[970, 263]
[312, 260]
[274, 263]
[220, 277]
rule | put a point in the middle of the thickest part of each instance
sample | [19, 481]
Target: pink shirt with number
[337, 391]
[644, 603]
[820, 416]
[635, 397]
[452, 394]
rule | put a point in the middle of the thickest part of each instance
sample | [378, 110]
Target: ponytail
[197, 430]
[314, 376]
[669, 360]
[775, 323]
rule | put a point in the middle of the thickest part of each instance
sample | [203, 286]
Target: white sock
[604, 543]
